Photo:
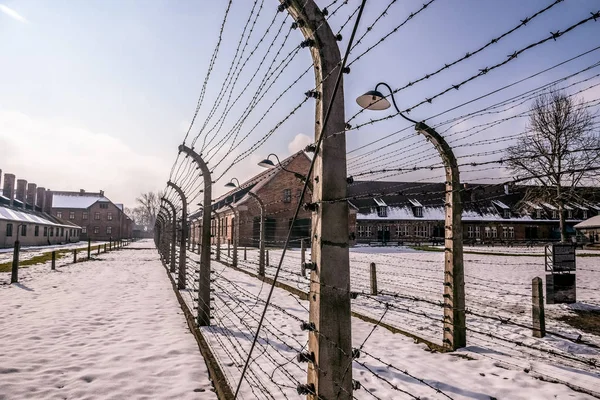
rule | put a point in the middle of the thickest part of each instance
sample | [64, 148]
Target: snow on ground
[105, 329]
[391, 366]
[497, 286]
[25, 253]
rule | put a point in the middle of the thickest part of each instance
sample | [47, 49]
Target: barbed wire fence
[256, 99]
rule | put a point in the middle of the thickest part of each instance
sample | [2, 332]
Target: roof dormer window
[381, 207]
[417, 208]
[538, 213]
[506, 213]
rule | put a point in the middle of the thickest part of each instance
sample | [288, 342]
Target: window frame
[85, 215]
[59, 214]
[9, 230]
[71, 214]
[287, 195]
[97, 216]
[36, 230]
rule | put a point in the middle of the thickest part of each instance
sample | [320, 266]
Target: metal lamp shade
[230, 185]
[266, 163]
[373, 100]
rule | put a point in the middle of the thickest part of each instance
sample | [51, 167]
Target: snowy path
[106, 329]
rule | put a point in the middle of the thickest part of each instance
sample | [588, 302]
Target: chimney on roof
[9, 187]
[21, 190]
[102, 193]
[48, 201]
[81, 191]
[31, 194]
[40, 198]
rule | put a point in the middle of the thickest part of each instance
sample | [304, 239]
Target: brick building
[98, 217]
[279, 191]
[414, 212]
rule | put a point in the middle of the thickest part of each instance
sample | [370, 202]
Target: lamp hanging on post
[454, 286]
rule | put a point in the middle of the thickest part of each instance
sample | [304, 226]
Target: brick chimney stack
[31, 195]
[40, 198]
[21, 190]
[48, 202]
[9, 187]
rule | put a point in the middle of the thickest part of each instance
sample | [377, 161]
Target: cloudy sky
[99, 94]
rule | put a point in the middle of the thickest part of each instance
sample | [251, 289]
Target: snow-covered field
[25, 253]
[391, 365]
[105, 329]
[498, 287]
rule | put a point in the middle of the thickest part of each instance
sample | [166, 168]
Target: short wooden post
[245, 254]
[98, 248]
[89, 248]
[74, 256]
[302, 253]
[53, 265]
[110, 244]
[105, 247]
[267, 258]
[14, 276]
[537, 308]
[373, 279]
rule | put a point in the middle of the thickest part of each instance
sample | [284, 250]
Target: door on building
[531, 232]
[301, 230]
[383, 234]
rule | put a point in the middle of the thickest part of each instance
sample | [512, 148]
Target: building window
[109, 216]
[96, 229]
[108, 230]
[59, 214]
[506, 213]
[511, 232]
[62, 231]
[418, 212]
[494, 232]
[538, 213]
[36, 231]
[72, 215]
[382, 211]
[368, 232]
[570, 214]
[477, 232]
[8, 229]
[45, 231]
[23, 230]
[85, 215]
[103, 205]
[585, 214]
[470, 232]
[402, 230]
[504, 232]
[226, 225]
[51, 231]
[488, 232]
[361, 231]
[84, 230]
[287, 195]
[554, 214]
[97, 216]
[422, 230]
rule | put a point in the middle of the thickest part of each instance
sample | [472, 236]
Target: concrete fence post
[302, 253]
[267, 258]
[537, 308]
[14, 276]
[373, 279]
[53, 265]
[181, 275]
[229, 249]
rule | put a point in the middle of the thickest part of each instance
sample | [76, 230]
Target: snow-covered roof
[119, 206]
[549, 206]
[75, 200]
[500, 204]
[415, 203]
[590, 223]
[12, 214]
[379, 202]
[533, 205]
[577, 205]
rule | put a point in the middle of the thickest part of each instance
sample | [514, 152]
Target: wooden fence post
[373, 279]
[302, 254]
[229, 249]
[14, 276]
[89, 248]
[53, 265]
[267, 259]
[537, 308]
[245, 255]
[74, 256]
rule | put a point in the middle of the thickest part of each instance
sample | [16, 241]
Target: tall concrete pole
[173, 224]
[182, 239]
[261, 244]
[204, 275]
[330, 376]
[235, 234]
[455, 331]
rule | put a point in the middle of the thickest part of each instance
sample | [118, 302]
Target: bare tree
[147, 209]
[559, 152]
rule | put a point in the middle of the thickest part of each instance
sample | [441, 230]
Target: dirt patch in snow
[585, 320]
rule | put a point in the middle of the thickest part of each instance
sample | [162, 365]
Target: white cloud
[299, 142]
[57, 155]
[12, 13]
